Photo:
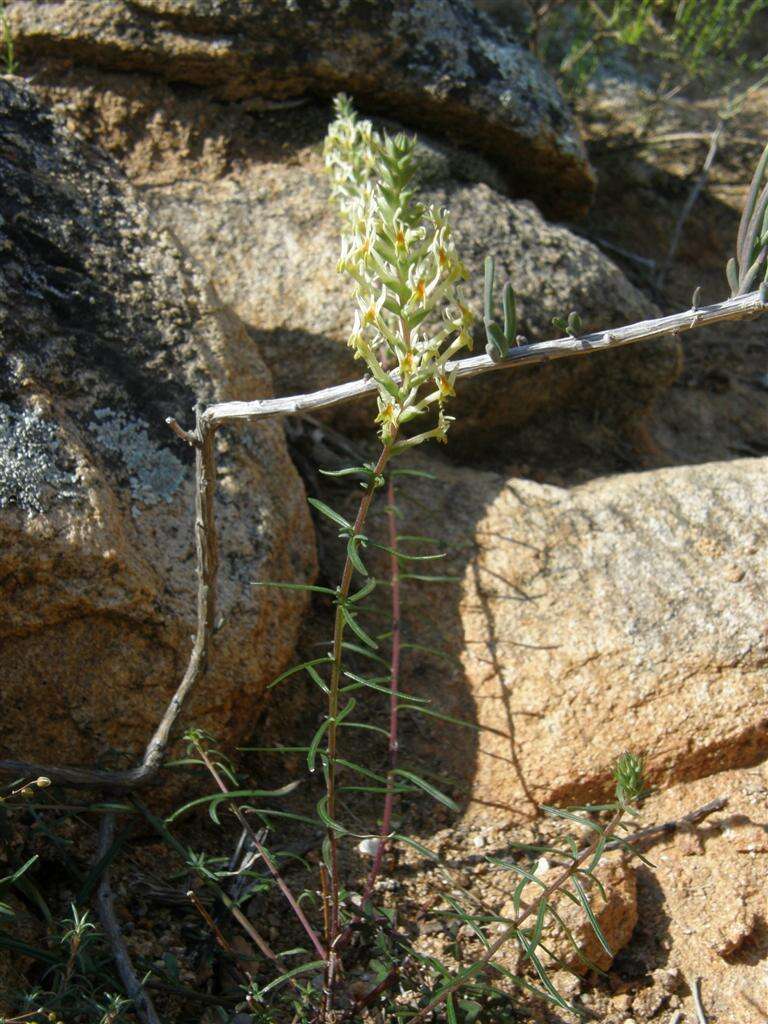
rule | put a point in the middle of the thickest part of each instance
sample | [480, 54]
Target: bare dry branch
[207, 564]
[740, 308]
[105, 906]
[207, 422]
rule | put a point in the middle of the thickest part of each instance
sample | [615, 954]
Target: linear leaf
[450, 1011]
[315, 743]
[363, 592]
[329, 513]
[510, 865]
[582, 896]
[366, 470]
[558, 812]
[427, 787]
[439, 714]
[354, 555]
[413, 472]
[315, 965]
[357, 629]
[365, 725]
[418, 847]
[424, 578]
[237, 794]
[296, 668]
[293, 586]
[357, 649]
[542, 973]
[326, 819]
[424, 649]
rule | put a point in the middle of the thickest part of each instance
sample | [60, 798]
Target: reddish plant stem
[394, 683]
[333, 711]
[264, 854]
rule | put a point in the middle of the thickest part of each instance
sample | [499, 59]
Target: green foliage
[409, 322]
[75, 976]
[572, 325]
[405, 270]
[688, 40]
[750, 265]
[10, 64]
[499, 340]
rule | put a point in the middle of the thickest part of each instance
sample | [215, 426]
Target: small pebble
[369, 847]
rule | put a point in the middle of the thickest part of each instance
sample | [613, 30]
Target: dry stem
[105, 906]
[207, 421]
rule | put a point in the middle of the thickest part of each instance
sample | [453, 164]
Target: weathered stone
[630, 617]
[105, 332]
[625, 613]
[613, 901]
[431, 63]
[249, 200]
[703, 904]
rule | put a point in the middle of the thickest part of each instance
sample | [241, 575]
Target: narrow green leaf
[554, 995]
[363, 592]
[413, 472]
[327, 820]
[427, 787]
[732, 275]
[404, 557]
[423, 578]
[329, 513]
[357, 649]
[510, 865]
[296, 668]
[275, 750]
[365, 470]
[440, 715]
[317, 679]
[365, 725]
[573, 942]
[558, 812]
[366, 772]
[9, 942]
[357, 629]
[237, 794]
[312, 752]
[354, 556]
[424, 649]
[16, 875]
[590, 915]
[293, 586]
[450, 1010]
[315, 965]
[418, 847]
[510, 313]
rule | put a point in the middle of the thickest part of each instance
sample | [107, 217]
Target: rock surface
[431, 62]
[624, 613]
[613, 901]
[703, 907]
[247, 197]
[629, 617]
[300, 307]
[105, 332]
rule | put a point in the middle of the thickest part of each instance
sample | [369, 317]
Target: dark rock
[435, 64]
[104, 332]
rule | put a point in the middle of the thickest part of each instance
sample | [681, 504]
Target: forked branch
[742, 307]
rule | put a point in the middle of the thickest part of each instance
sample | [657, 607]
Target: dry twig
[105, 906]
[741, 307]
